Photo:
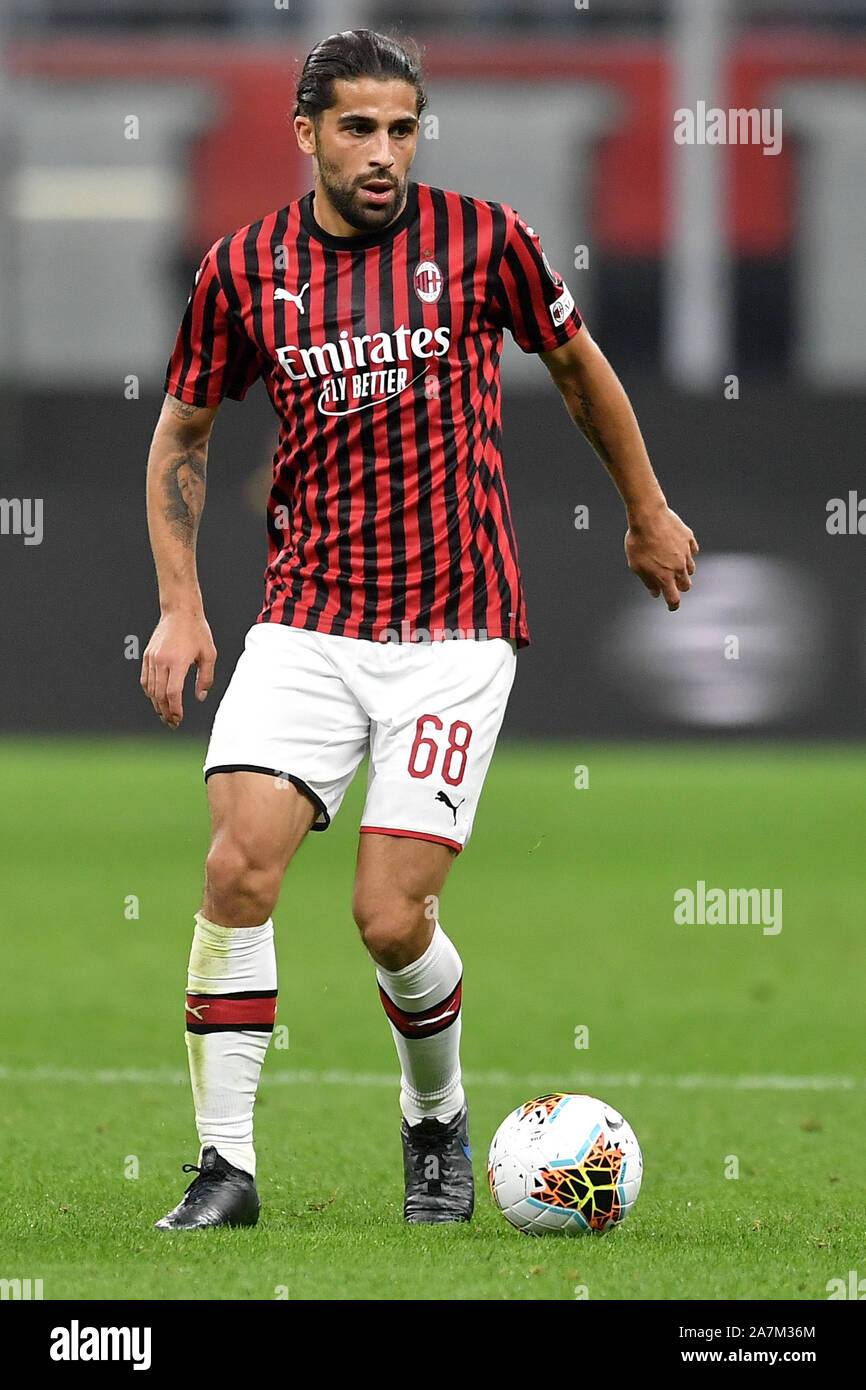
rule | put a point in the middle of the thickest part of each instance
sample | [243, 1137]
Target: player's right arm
[176, 471]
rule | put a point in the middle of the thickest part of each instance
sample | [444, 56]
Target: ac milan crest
[428, 281]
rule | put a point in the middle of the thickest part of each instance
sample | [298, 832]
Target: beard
[347, 198]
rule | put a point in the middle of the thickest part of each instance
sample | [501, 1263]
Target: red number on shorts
[456, 745]
[422, 742]
[459, 726]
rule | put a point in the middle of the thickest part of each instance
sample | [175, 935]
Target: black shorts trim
[286, 777]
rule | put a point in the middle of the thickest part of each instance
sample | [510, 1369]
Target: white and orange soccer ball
[565, 1163]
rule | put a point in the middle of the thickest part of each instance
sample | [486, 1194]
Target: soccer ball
[565, 1163]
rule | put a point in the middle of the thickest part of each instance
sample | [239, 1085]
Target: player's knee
[388, 924]
[238, 885]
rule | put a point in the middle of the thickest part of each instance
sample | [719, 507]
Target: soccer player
[374, 309]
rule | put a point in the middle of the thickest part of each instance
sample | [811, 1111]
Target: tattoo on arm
[181, 409]
[183, 490]
[581, 405]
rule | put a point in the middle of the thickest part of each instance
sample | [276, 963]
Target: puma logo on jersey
[440, 796]
[297, 299]
[196, 1010]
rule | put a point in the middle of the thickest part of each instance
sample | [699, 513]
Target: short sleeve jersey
[389, 515]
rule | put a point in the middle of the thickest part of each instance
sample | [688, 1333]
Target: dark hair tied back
[356, 53]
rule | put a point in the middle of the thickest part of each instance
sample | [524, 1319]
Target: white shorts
[307, 706]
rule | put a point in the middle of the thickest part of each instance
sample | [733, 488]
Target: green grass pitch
[725, 1047]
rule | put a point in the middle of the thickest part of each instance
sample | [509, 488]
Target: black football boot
[437, 1165]
[221, 1195]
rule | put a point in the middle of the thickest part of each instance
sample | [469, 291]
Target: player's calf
[422, 1000]
[423, 1004]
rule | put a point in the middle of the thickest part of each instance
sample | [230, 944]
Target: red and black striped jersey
[388, 516]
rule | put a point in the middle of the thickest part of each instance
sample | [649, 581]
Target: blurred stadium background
[725, 283]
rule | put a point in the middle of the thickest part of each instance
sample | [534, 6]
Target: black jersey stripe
[297, 449]
[316, 453]
[254, 282]
[364, 267]
[282, 538]
[186, 339]
[522, 289]
[208, 318]
[338, 428]
[227, 279]
[421, 442]
[398, 466]
[457, 326]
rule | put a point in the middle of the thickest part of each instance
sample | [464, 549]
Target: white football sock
[422, 1002]
[230, 1007]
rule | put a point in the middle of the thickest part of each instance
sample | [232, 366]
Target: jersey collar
[360, 243]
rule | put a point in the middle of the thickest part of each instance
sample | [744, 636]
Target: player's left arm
[659, 547]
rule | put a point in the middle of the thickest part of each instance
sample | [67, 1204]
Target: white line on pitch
[601, 1081]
